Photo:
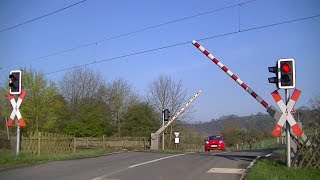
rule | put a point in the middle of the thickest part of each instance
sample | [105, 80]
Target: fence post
[103, 143]
[74, 144]
[87, 143]
[39, 143]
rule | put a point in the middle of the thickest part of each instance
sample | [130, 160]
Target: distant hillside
[259, 121]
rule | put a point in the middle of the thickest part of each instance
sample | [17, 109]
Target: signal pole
[163, 131]
[287, 94]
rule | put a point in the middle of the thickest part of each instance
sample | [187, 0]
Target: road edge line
[155, 160]
[249, 167]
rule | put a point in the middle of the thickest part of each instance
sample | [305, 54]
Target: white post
[7, 128]
[18, 139]
[287, 94]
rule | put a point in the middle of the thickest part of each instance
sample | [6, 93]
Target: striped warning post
[286, 113]
[16, 112]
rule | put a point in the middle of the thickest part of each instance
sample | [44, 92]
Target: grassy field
[9, 159]
[275, 168]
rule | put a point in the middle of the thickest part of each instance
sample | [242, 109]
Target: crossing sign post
[15, 89]
[287, 118]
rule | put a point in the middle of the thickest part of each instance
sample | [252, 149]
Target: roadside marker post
[176, 139]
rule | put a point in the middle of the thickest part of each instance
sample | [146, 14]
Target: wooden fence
[47, 143]
[308, 156]
[52, 143]
[113, 142]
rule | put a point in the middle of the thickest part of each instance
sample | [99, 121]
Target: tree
[92, 119]
[166, 93]
[232, 134]
[119, 97]
[140, 120]
[84, 92]
[80, 83]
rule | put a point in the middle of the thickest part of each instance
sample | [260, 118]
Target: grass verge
[9, 159]
[272, 169]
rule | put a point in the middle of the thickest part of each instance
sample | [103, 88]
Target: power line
[40, 17]
[262, 27]
[176, 20]
[137, 31]
[189, 42]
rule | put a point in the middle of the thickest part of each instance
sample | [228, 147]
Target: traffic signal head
[273, 69]
[15, 82]
[286, 73]
[166, 113]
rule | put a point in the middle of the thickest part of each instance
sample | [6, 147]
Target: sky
[117, 36]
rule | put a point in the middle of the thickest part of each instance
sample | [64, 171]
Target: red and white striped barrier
[16, 112]
[235, 78]
[286, 113]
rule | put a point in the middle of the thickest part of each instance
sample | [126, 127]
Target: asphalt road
[140, 166]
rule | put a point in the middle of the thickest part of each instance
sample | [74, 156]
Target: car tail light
[220, 142]
[207, 142]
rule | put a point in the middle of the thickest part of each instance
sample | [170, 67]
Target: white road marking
[250, 166]
[104, 177]
[155, 160]
[268, 155]
[226, 170]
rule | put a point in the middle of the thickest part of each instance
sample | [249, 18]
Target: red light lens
[285, 67]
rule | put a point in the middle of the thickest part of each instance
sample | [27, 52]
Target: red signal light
[285, 67]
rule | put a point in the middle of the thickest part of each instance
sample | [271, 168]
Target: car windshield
[214, 138]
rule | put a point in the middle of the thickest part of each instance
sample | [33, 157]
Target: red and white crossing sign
[286, 113]
[16, 112]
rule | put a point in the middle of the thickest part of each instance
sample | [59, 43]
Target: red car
[214, 142]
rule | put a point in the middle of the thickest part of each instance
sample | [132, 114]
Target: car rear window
[215, 138]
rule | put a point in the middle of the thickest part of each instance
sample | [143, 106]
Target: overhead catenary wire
[135, 32]
[188, 42]
[42, 16]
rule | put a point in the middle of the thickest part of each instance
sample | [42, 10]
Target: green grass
[265, 143]
[271, 169]
[9, 159]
